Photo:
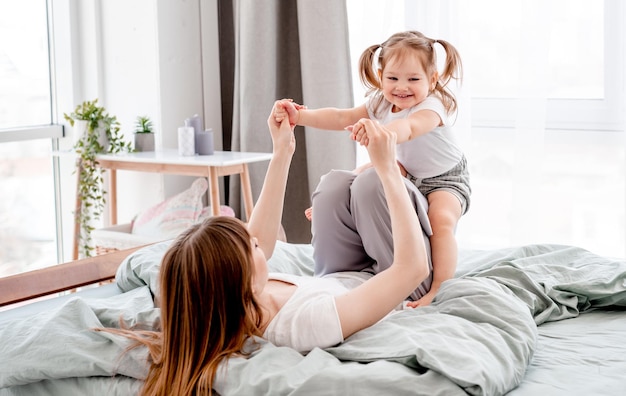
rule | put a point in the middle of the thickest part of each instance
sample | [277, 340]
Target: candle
[186, 141]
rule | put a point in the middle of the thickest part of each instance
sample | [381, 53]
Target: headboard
[62, 277]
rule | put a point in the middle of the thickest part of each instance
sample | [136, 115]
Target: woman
[216, 291]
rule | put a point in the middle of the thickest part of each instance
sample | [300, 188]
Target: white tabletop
[171, 156]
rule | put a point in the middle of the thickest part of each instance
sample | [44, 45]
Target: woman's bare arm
[371, 301]
[266, 216]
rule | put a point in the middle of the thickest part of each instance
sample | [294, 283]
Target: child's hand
[308, 213]
[380, 142]
[280, 111]
[358, 133]
[287, 108]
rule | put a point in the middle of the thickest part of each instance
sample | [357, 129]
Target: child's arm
[417, 124]
[328, 118]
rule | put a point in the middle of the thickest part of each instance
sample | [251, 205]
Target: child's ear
[380, 74]
[433, 81]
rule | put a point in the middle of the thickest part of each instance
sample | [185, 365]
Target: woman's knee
[332, 193]
[334, 182]
[367, 188]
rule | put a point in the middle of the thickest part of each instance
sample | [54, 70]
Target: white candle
[186, 141]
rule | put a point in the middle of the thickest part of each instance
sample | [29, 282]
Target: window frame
[52, 131]
[60, 89]
[574, 114]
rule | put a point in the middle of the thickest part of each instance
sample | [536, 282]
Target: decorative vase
[103, 139]
[79, 129]
[144, 142]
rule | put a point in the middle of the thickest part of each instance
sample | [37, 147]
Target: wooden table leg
[246, 191]
[113, 196]
[214, 191]
[77, 210]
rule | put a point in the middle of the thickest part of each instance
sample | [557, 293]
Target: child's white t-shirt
[428, 155]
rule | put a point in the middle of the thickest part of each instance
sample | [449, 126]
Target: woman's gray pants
[351, 226]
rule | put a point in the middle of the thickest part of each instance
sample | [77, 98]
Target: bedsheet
[479, 336]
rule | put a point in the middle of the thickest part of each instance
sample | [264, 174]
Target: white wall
[138, 58]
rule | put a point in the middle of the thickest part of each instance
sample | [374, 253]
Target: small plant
[144, 134]
[90, 191]
[143, 125]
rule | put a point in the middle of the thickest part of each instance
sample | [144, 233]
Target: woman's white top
[309, 319]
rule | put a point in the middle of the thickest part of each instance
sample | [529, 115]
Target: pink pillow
[224, 211]
[172, 216]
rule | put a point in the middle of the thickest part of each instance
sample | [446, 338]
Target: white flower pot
[79, 129]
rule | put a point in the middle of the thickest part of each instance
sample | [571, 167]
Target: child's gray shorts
[455, 181]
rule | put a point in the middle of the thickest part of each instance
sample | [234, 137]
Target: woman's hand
[380, 143]
[283, 138]
[264, 222]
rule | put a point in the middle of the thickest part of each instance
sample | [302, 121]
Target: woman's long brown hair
[208, 310]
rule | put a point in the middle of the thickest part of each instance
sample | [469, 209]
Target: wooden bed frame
[62, 277]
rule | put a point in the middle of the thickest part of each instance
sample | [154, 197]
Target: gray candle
[204, 142]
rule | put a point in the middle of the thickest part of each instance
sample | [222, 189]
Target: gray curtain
[274, 49]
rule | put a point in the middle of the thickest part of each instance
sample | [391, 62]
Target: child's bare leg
[444, 212]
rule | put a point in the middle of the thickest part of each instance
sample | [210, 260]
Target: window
[567, 48]
[543, 127]
[24, 65]
[575, 55]
[28, 232]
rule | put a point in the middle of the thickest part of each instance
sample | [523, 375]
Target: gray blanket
[477, 337]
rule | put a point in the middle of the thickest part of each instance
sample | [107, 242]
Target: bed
[538, 319]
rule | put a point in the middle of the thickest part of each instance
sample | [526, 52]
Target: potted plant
[144, 135]
[101, 134]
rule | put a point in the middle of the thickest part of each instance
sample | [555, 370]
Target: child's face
[405, 82]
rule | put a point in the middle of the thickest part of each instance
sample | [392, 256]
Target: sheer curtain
[534, 180]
